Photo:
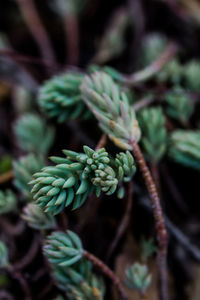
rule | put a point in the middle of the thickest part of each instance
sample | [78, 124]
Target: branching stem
[159, 219]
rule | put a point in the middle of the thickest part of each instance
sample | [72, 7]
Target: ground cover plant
[100, 150]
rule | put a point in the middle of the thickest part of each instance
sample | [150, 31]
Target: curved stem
[25, 287]
[107, 271]
[37, 29]
[159, 219]
[124, 222]
[153, 68]
[102, 142]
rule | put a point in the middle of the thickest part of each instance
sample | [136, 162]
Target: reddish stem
[124, 222]
[72, 38]
[107, 271]
[102, 142]
[159, 219]
[153, 68]
[33, 22]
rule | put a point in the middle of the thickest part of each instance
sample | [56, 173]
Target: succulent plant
[60, 97]
[79, 282]
[4, 262]
[33, 135]
[37, 218]
[71, 271]
[184, 148]
[75, 177]
[24, 168]
[172, 72]
[179, 105]
[112, 109]
[137, 277]
[154, 133]
[63, 249]
[8, 202]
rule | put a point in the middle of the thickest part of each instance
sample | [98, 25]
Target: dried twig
[158, 215]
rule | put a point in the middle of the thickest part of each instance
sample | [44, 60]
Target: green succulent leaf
[8, 202]
[33, 134]
[60, 97]
[184, 148]
[78, 175]
[112, 109]
[179, 105]
[137, 277]
[4, 262]
[37, 218]
[154, 134]
[24, 168]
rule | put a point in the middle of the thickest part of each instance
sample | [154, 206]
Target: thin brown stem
[72, 38]
[153, 68]
[107, 271]
[159, 219]
[102, 142]
[124, 222]
[24, 285]
[37, 29]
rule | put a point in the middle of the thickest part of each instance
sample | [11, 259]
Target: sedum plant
[179, 105]
[154, 133]
[137, 277]
[37, 218]
[112, 109]
[24, 168]
[8, 202]
[75, 177]
[60, 97]
[184, 148]
[71, 271]
[33, 135]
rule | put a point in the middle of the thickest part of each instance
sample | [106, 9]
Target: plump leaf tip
[112, 109]
[24, 168]
[137, 277]
[4, 262]
[75, 177]
[60, 97]
[33, 134]
[8, 202]
[37, 218]
[154, 133]
[184, 148]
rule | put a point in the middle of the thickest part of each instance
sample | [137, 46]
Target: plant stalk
[107, 271]
[159, 219]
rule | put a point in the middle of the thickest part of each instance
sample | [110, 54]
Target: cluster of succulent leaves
[137, 277]
[8, 202]
[112, 108]
[75, 177]
[33, 134]
[184, 148]
[60, 97]
[154, 133]
[71, 271]
[24, 168]
[179, 105]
